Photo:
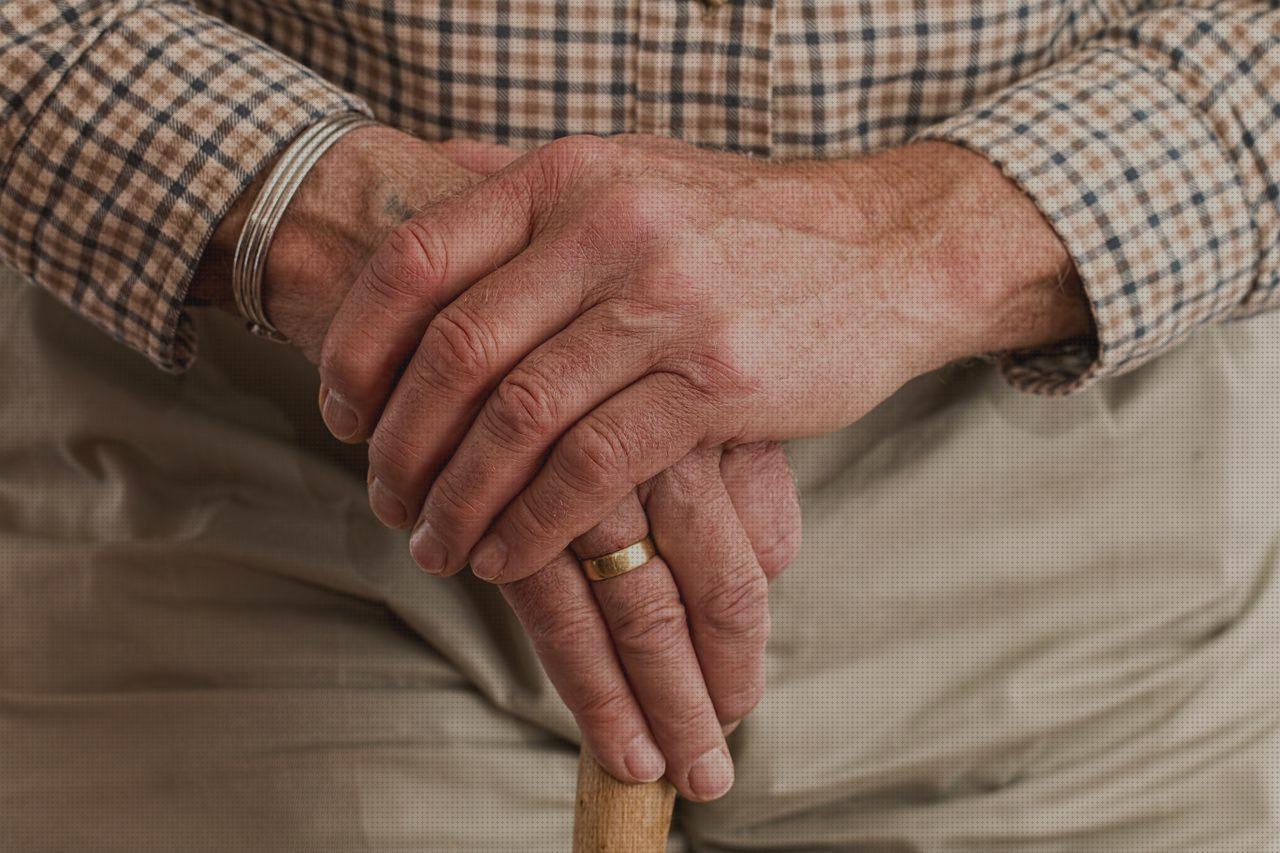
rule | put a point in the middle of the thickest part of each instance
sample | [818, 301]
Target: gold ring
[621, 561]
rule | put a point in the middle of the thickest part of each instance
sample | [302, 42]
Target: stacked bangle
[268, 209]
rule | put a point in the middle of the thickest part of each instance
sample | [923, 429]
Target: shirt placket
[703, 72]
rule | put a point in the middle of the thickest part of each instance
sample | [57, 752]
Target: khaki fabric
[1017, 624]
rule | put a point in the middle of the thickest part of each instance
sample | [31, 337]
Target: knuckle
[676, 298]
[456, 351]
[737, 608]
[742, 698]
[650, 628]
[517, 191]
[682, 718]
[423, 375]
[686, 484]
[640, 211]
[717, 368]
[411, 261]
[576, 150]
[560, 633]
[601, 706]
[556, 165]
[451, 505]
[521, 412]
[779, 552]
[533, 523]
[392, 454]
[636, 317]
[593, 454]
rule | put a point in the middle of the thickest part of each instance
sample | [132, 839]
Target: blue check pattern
[1148, 133]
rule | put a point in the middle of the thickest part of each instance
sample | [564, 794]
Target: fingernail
[711, 775]
[386, 506]
[427, 548]
[488, 558]
[339, 417]
[644, 762]
[729, 728]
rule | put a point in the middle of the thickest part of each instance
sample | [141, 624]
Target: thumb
[484, 158]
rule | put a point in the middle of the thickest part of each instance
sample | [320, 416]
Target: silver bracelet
[268, 209]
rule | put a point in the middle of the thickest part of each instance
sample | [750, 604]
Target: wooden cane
[614, 817]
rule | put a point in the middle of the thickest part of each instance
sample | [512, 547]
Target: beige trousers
[1017, 624]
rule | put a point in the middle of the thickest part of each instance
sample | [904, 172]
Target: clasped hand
[608, 334]
[522, 356]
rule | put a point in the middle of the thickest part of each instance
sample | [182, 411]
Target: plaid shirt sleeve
[127, 128]
[1154, 151]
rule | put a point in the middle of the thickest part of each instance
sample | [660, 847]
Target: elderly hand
[724, 523]
[601, 308]
[672, 652]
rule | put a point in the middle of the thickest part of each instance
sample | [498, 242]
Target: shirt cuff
[1141, 191]
[158, 121]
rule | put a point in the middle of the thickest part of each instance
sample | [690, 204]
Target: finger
[477, 156]
[758, 480]
[558, 610]
[647, 624]
[418, 269]
[466, 349]
[536, 403]
[632, 436]
[725, 592]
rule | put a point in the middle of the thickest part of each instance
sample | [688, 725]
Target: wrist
[994, 271]
[369, 181]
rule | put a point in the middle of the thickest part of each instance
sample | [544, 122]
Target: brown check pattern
[1148, 132]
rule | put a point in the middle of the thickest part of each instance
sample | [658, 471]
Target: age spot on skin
[399, 210]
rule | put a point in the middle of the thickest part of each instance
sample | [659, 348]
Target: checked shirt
[1147, 131]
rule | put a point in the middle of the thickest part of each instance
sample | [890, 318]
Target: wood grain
[613, 817]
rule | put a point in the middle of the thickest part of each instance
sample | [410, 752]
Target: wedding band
[620, 562]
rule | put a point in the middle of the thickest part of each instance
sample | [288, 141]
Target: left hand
[611, 305]
[671, 653]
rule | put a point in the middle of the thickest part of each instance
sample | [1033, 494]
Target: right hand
[723, 524]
